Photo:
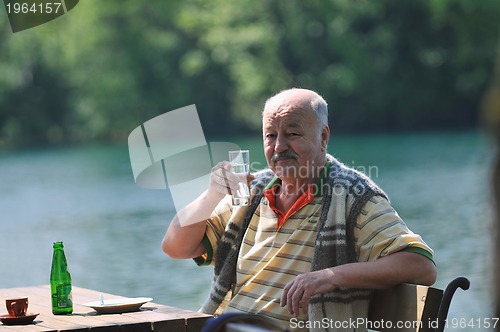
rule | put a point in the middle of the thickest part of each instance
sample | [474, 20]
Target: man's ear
[325, 137]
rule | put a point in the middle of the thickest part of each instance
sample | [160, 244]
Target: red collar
[306, 197]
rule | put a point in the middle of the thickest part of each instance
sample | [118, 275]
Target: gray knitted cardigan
[344, 194]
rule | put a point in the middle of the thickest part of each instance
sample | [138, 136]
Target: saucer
[22, 320]
[118, 306]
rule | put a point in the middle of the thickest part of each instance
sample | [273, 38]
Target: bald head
[300, 98]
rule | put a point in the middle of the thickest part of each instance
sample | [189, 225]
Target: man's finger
[285, 294]
[294, 301]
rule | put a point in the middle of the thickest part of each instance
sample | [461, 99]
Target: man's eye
[270, 135]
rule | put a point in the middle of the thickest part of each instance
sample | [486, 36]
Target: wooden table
[151, 317]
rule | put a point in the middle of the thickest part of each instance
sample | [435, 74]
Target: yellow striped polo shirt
[270, 258]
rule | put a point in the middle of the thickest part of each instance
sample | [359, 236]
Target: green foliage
[105, 67]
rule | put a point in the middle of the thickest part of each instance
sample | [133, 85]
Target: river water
[112, 229]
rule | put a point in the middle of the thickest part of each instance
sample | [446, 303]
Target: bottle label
[64, 296]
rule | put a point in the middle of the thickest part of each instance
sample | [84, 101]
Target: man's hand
[223, 181]
[299, 291]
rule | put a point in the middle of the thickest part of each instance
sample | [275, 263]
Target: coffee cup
[17, 306]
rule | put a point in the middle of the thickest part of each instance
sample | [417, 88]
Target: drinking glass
[240, 162]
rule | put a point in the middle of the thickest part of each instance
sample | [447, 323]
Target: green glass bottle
[60, 282]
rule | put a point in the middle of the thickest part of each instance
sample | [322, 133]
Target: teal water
[112, 229]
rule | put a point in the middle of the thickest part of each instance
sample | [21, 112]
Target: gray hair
[320, 106]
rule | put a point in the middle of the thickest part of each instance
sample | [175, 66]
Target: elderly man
[316, 238]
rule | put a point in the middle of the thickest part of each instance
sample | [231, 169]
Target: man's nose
[281, 143]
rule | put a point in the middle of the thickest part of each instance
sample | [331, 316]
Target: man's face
[294, 145]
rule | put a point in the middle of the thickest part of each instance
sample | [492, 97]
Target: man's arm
[382, 238]
[385, 272]
[184, 240]
[184, 235]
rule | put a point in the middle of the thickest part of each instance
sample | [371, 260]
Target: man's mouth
[288, 154]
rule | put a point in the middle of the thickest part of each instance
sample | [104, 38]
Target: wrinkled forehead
[288, 116]
[288, 111]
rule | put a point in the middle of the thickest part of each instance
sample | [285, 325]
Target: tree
[104, 68]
